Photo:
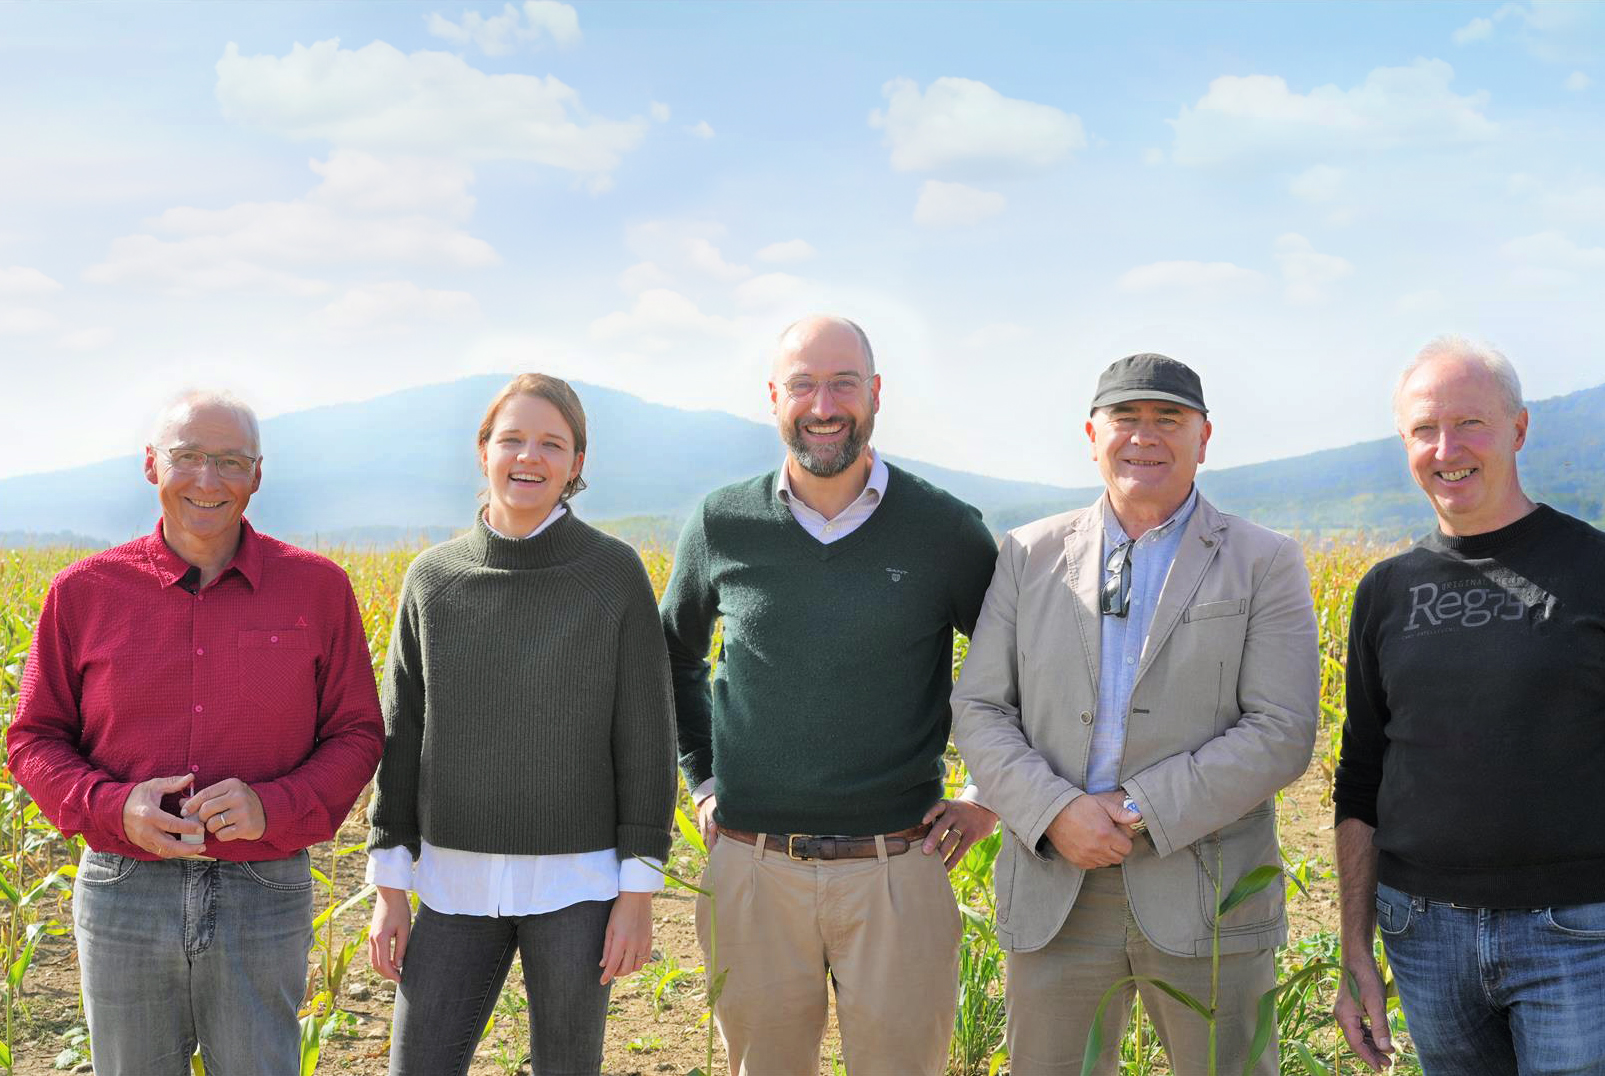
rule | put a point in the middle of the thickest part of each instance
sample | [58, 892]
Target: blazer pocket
[1211, 610]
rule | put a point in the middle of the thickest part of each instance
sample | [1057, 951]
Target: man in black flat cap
[1142, 680]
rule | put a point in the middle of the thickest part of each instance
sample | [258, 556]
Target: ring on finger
[222, 820]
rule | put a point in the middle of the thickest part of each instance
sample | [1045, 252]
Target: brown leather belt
[808, 846]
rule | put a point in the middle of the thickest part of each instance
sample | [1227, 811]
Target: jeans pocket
[105, 868]
[1394, 910]
[289, 875]
[1577, 920]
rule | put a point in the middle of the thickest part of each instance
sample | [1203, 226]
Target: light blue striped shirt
[1123, 637]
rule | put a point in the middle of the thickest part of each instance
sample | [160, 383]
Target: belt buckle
[791, 843]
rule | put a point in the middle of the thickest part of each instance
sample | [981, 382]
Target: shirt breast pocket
[276, 671]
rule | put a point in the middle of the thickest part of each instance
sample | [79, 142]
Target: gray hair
[179, 409]
[1475, 352]
[846, 323]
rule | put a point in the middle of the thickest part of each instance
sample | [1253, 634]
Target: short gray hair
[178, 410]
[1475, 352]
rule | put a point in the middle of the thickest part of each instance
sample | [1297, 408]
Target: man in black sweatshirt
[1471, 788]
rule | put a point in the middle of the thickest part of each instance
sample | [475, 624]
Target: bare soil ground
[642, 1037]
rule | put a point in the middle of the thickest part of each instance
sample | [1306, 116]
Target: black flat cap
[1149, 377]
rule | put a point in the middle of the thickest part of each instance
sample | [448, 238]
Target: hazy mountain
[402, 467]
[1366, 487]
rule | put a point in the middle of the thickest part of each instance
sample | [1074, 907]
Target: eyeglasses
[803, 388]
[1115, 597]
[193, 461]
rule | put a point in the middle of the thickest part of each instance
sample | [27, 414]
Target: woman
[528, 759]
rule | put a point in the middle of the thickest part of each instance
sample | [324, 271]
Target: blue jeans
[184, 952]
[453, 973]
[1499, 991]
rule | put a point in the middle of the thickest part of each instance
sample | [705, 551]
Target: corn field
[37, 868]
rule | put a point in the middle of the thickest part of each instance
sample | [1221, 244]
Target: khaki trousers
[884, 931]
[1052, 993]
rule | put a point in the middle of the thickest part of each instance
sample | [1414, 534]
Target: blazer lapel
[1083, 556]
[1200, 543]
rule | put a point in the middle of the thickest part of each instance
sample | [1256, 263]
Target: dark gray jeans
[182, 951]
[453, 972]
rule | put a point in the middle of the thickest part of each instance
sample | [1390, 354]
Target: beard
[827, 461]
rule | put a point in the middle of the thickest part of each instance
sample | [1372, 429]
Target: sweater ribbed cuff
[646, 841]
[389, 837]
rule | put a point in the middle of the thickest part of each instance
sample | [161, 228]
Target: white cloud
[966, 128]
[22, 280]
[658, 319]
[704, 256]
[1476, 30]
[953, 205]
[792, 250]
[189, 268]
[701, 130]
[1426, 301]
[1322, 183]
[641, 276]
[1153, 155]
[263, 245]
[393, 303]
[770, 289]
[362, 183]
[1189, 276]
[86, 339]
[680, 245]
[498, 35]
[380, 99]
[659, 111]
[25, 321]
[1574, 200]
[996, 335]
[1578, 81]
[238, 247]
[1558, 31]
[1551, 259]
[1258, 116]
[1306, 271]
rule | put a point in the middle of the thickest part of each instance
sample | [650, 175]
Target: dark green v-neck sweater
[526, 700]
[829, 709]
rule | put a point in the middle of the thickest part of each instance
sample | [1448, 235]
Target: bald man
[816, 757]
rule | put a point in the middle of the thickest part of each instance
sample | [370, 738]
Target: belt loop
[1418, 903]
[760, 845]
[880, 847]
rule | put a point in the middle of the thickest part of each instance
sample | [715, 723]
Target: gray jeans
[454, 970]
[181, 952]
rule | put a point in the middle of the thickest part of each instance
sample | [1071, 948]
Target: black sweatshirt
[1475, 740]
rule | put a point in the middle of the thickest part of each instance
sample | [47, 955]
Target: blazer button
[1086, 717]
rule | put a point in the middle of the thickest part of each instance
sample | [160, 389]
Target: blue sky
[309, 203]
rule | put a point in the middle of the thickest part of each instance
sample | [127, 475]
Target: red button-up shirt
[263, 675]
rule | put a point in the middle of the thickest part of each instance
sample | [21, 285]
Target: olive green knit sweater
[526, 700]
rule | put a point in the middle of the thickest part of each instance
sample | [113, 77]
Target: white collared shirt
[851, 518]
[454, 882]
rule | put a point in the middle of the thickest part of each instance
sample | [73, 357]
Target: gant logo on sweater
[300, 621]
[897, 574]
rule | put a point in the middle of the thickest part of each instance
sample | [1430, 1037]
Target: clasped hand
[1093, 831]
[229, 810]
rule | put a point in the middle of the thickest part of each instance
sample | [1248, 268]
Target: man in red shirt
[199, 704]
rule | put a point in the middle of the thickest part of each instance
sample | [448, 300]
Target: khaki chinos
[888, 930]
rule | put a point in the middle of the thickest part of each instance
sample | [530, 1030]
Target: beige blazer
[1222, 715]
